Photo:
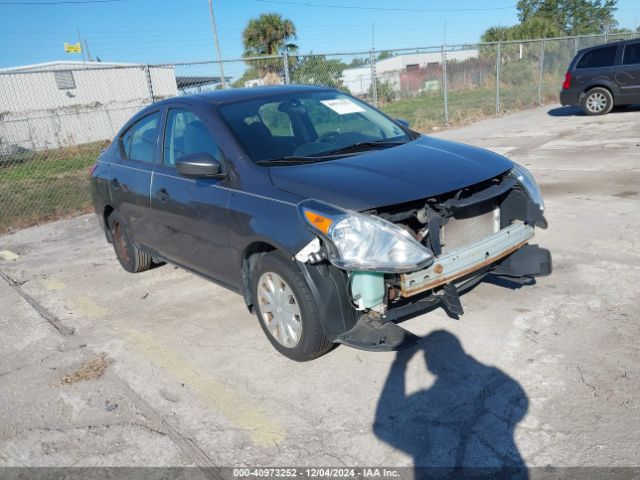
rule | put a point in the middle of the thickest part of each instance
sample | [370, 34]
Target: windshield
[309, 126]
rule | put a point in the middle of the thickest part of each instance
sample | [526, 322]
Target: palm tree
[269, 34]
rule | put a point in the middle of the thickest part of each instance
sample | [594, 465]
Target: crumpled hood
[422, 168]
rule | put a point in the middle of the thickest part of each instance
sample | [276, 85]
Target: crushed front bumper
[459, 263]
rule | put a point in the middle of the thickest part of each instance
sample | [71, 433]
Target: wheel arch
[106, 212]
[328, 285]
[604, 85]
[250, 257]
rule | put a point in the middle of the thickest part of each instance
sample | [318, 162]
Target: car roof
[609, 44]
[237, 94]
[229, 95]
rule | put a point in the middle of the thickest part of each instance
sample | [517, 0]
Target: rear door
[627, 74]
[190, 216]
[131, 175]
[596, 66]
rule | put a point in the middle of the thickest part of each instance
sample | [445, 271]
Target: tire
[130, 257]
[283, 303]
[597, 101]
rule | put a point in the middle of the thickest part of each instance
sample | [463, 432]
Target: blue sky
[179, 30]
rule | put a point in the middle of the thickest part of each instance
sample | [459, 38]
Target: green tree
[552, 18]
[269, 34]
[535, 27]
[573, 17]
[384, 91]
[359, 62]
[318, 70]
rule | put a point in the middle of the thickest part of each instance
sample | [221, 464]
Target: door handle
[162, 195]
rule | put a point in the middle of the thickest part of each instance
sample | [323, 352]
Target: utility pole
[215, 39]
[86, 44]
[80, 42]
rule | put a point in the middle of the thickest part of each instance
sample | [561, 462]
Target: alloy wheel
[597, 102]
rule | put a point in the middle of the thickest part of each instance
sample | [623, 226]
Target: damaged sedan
[333, 221]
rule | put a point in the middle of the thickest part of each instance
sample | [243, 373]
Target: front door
[627, 75]
[190, 216]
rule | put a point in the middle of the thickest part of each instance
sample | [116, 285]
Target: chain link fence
[55, 118]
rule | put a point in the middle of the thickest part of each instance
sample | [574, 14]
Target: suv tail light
[92, 168]
[567, 81]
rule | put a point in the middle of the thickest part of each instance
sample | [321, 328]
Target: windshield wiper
[365, 145]
[289, 160]
[338, 153]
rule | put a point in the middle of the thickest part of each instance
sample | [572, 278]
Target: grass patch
[46, 185]
[426, 111]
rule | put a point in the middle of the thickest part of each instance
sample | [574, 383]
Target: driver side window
[186, 133]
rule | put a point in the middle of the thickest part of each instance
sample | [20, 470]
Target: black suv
[331, 219]
[602, 77]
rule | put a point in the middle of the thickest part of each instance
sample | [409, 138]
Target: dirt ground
[99, 367]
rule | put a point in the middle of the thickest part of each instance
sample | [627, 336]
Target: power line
[61, 2]
[353, 7]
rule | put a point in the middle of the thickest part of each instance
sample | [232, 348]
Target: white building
[358, 80]
[58, 104]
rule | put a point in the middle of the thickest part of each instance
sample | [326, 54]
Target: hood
[422, 168]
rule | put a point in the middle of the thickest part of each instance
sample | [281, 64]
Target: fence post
[285, 60]
[149, 83]
[541, 80]
[498, 61]
[106, 111]
[374, 86]
[445, 88]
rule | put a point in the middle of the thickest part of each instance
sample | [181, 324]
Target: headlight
[525, 177]
[363, 242]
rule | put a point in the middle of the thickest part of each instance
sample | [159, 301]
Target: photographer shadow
[462, 426]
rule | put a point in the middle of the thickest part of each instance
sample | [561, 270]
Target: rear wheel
[597, 101]
[130, 257]
[286, 309]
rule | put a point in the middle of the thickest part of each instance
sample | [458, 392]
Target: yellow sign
[72, 47]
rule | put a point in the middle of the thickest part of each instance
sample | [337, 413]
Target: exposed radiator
[458, 233]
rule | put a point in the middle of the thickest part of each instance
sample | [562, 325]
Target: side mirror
[403, 122]
[199, 165]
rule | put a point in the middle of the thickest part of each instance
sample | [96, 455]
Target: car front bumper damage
[504, 254]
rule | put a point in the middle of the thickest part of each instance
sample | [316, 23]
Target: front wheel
[597, 101]
[287, 310]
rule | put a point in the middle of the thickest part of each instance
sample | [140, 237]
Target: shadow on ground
[460, 427]
[577, 111]
[566, 112]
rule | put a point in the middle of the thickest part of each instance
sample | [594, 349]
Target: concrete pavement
[195, 382]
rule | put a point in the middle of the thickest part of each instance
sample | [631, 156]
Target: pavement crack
[43, 312]
[22, 367]
[186, 444]
[592, 387]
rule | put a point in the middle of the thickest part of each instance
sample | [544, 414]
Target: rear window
[631, 54]
[601, 57]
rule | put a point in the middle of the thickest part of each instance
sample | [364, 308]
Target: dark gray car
[600, 78]
[332, 220]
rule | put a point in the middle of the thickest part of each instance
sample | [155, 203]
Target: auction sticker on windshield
[342, 106]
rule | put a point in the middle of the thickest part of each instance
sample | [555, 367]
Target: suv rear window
[601, 57]
[631, 54]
